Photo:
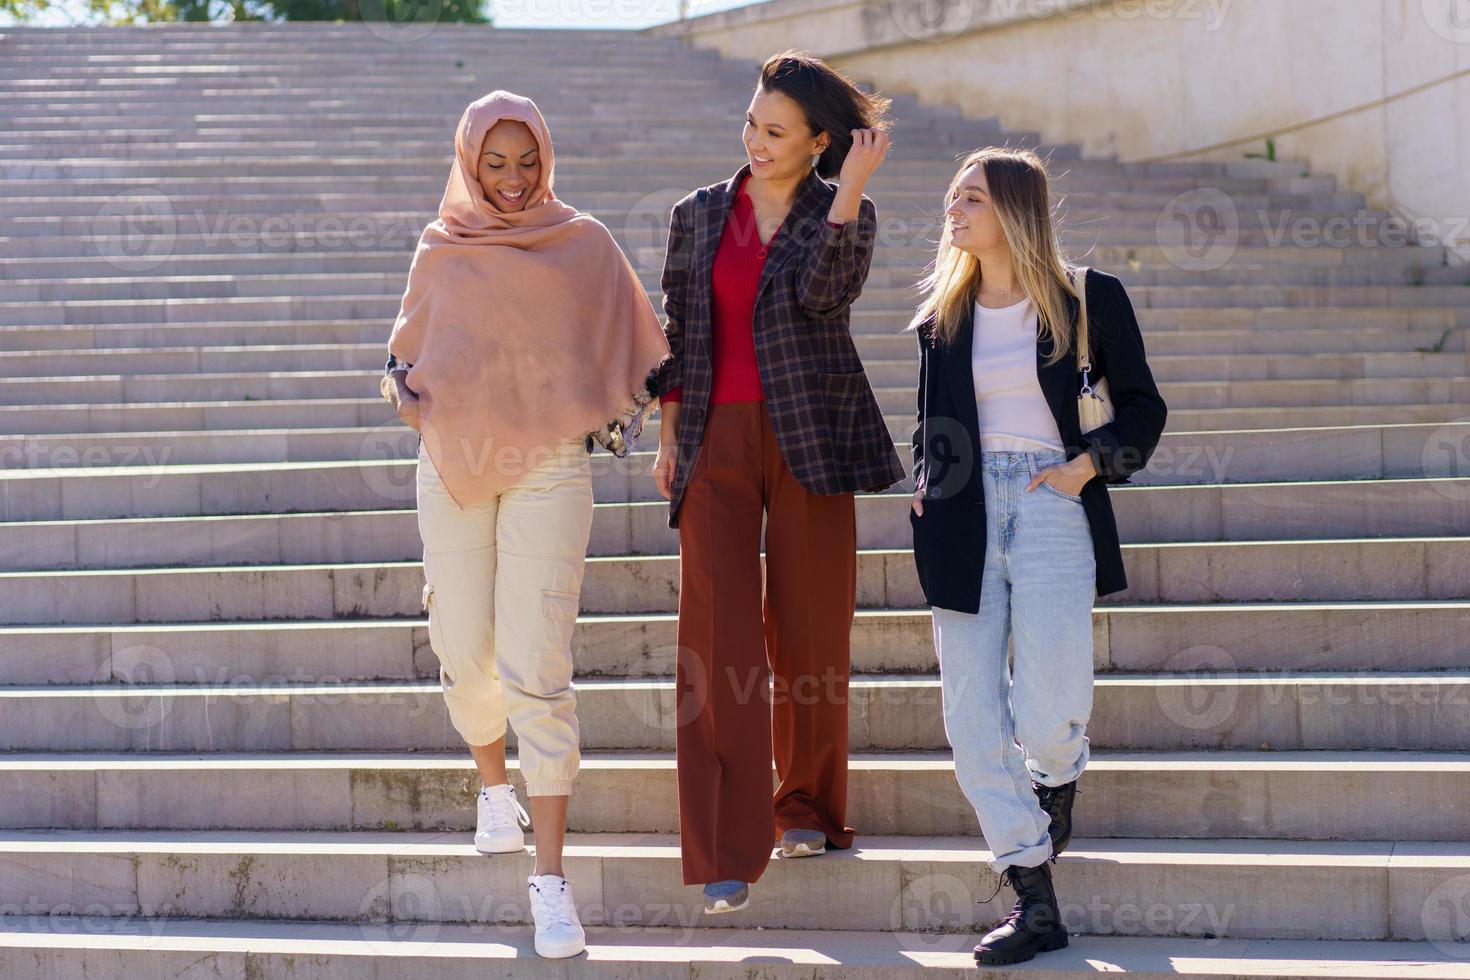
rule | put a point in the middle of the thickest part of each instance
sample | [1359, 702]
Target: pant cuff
[1026, 857]
[486, 736]
[550, 787]
[1061, 778]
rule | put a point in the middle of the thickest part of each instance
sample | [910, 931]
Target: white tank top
[1014, 415]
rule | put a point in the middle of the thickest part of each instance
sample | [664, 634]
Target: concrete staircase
[222, 747]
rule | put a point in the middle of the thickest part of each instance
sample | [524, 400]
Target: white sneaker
[558, 930]
[500, 821]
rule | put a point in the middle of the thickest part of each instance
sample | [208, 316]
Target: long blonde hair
[1021, 195]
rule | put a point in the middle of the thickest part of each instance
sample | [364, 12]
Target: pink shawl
[524, 329]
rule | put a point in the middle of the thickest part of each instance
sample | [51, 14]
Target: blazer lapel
[801, 227]
[712, 224]
[959, 375]
[1059, 381]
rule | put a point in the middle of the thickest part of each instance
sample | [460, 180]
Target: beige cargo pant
[502, 585]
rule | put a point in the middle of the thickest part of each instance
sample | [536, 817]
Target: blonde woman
[523, 331]
[1014, 536]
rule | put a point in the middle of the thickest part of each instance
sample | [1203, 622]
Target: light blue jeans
[1037, 590]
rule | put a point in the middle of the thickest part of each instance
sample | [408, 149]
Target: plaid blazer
[826, 420]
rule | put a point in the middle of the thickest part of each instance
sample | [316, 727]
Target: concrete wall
[1373, 92]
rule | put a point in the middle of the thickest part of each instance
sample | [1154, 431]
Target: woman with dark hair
[767, 410]
[1014, 536]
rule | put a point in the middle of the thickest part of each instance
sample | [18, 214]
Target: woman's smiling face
[973, 223]
[510, 165]
[778, 139]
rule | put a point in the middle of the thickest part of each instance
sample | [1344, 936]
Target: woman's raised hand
[869, 148]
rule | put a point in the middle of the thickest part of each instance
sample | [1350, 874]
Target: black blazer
[949, 539]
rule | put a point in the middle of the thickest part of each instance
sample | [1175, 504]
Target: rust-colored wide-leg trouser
[729, 721]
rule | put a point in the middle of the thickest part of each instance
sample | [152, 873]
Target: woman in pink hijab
[523, 331]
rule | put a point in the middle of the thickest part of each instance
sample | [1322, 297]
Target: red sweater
[734, 281]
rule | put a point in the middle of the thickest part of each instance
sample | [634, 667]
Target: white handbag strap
[1084, 350]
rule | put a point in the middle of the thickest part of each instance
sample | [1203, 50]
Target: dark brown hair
[832, 104]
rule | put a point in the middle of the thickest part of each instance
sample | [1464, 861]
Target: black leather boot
[1057, 802]
[1033, 926]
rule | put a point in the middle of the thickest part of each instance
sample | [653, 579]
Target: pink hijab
[524, 329]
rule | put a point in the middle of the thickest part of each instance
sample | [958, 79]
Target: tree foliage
[155, 11]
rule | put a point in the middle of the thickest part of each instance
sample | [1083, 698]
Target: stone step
[366, 294]
[917, 221]
[1295, 393]
[274, 948]
[158, 155]
[280, 150]
[1224, 888]
[193, 372]
[302, 400]
[1191, 572]
[235, 229]
[261, 373]
[215, 98]
[1187, 795]
[1164, 639]
[206, 133]
[901, 193]
[1218, 512]
[886, 713]
[366, 415]
[1286, 260]
[1307, 340]
[45, 145]
[919, 206]
[894, 304]
[906, 218]
[1349, 452]
[268, 119]
[47, 335]
[81, 277]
